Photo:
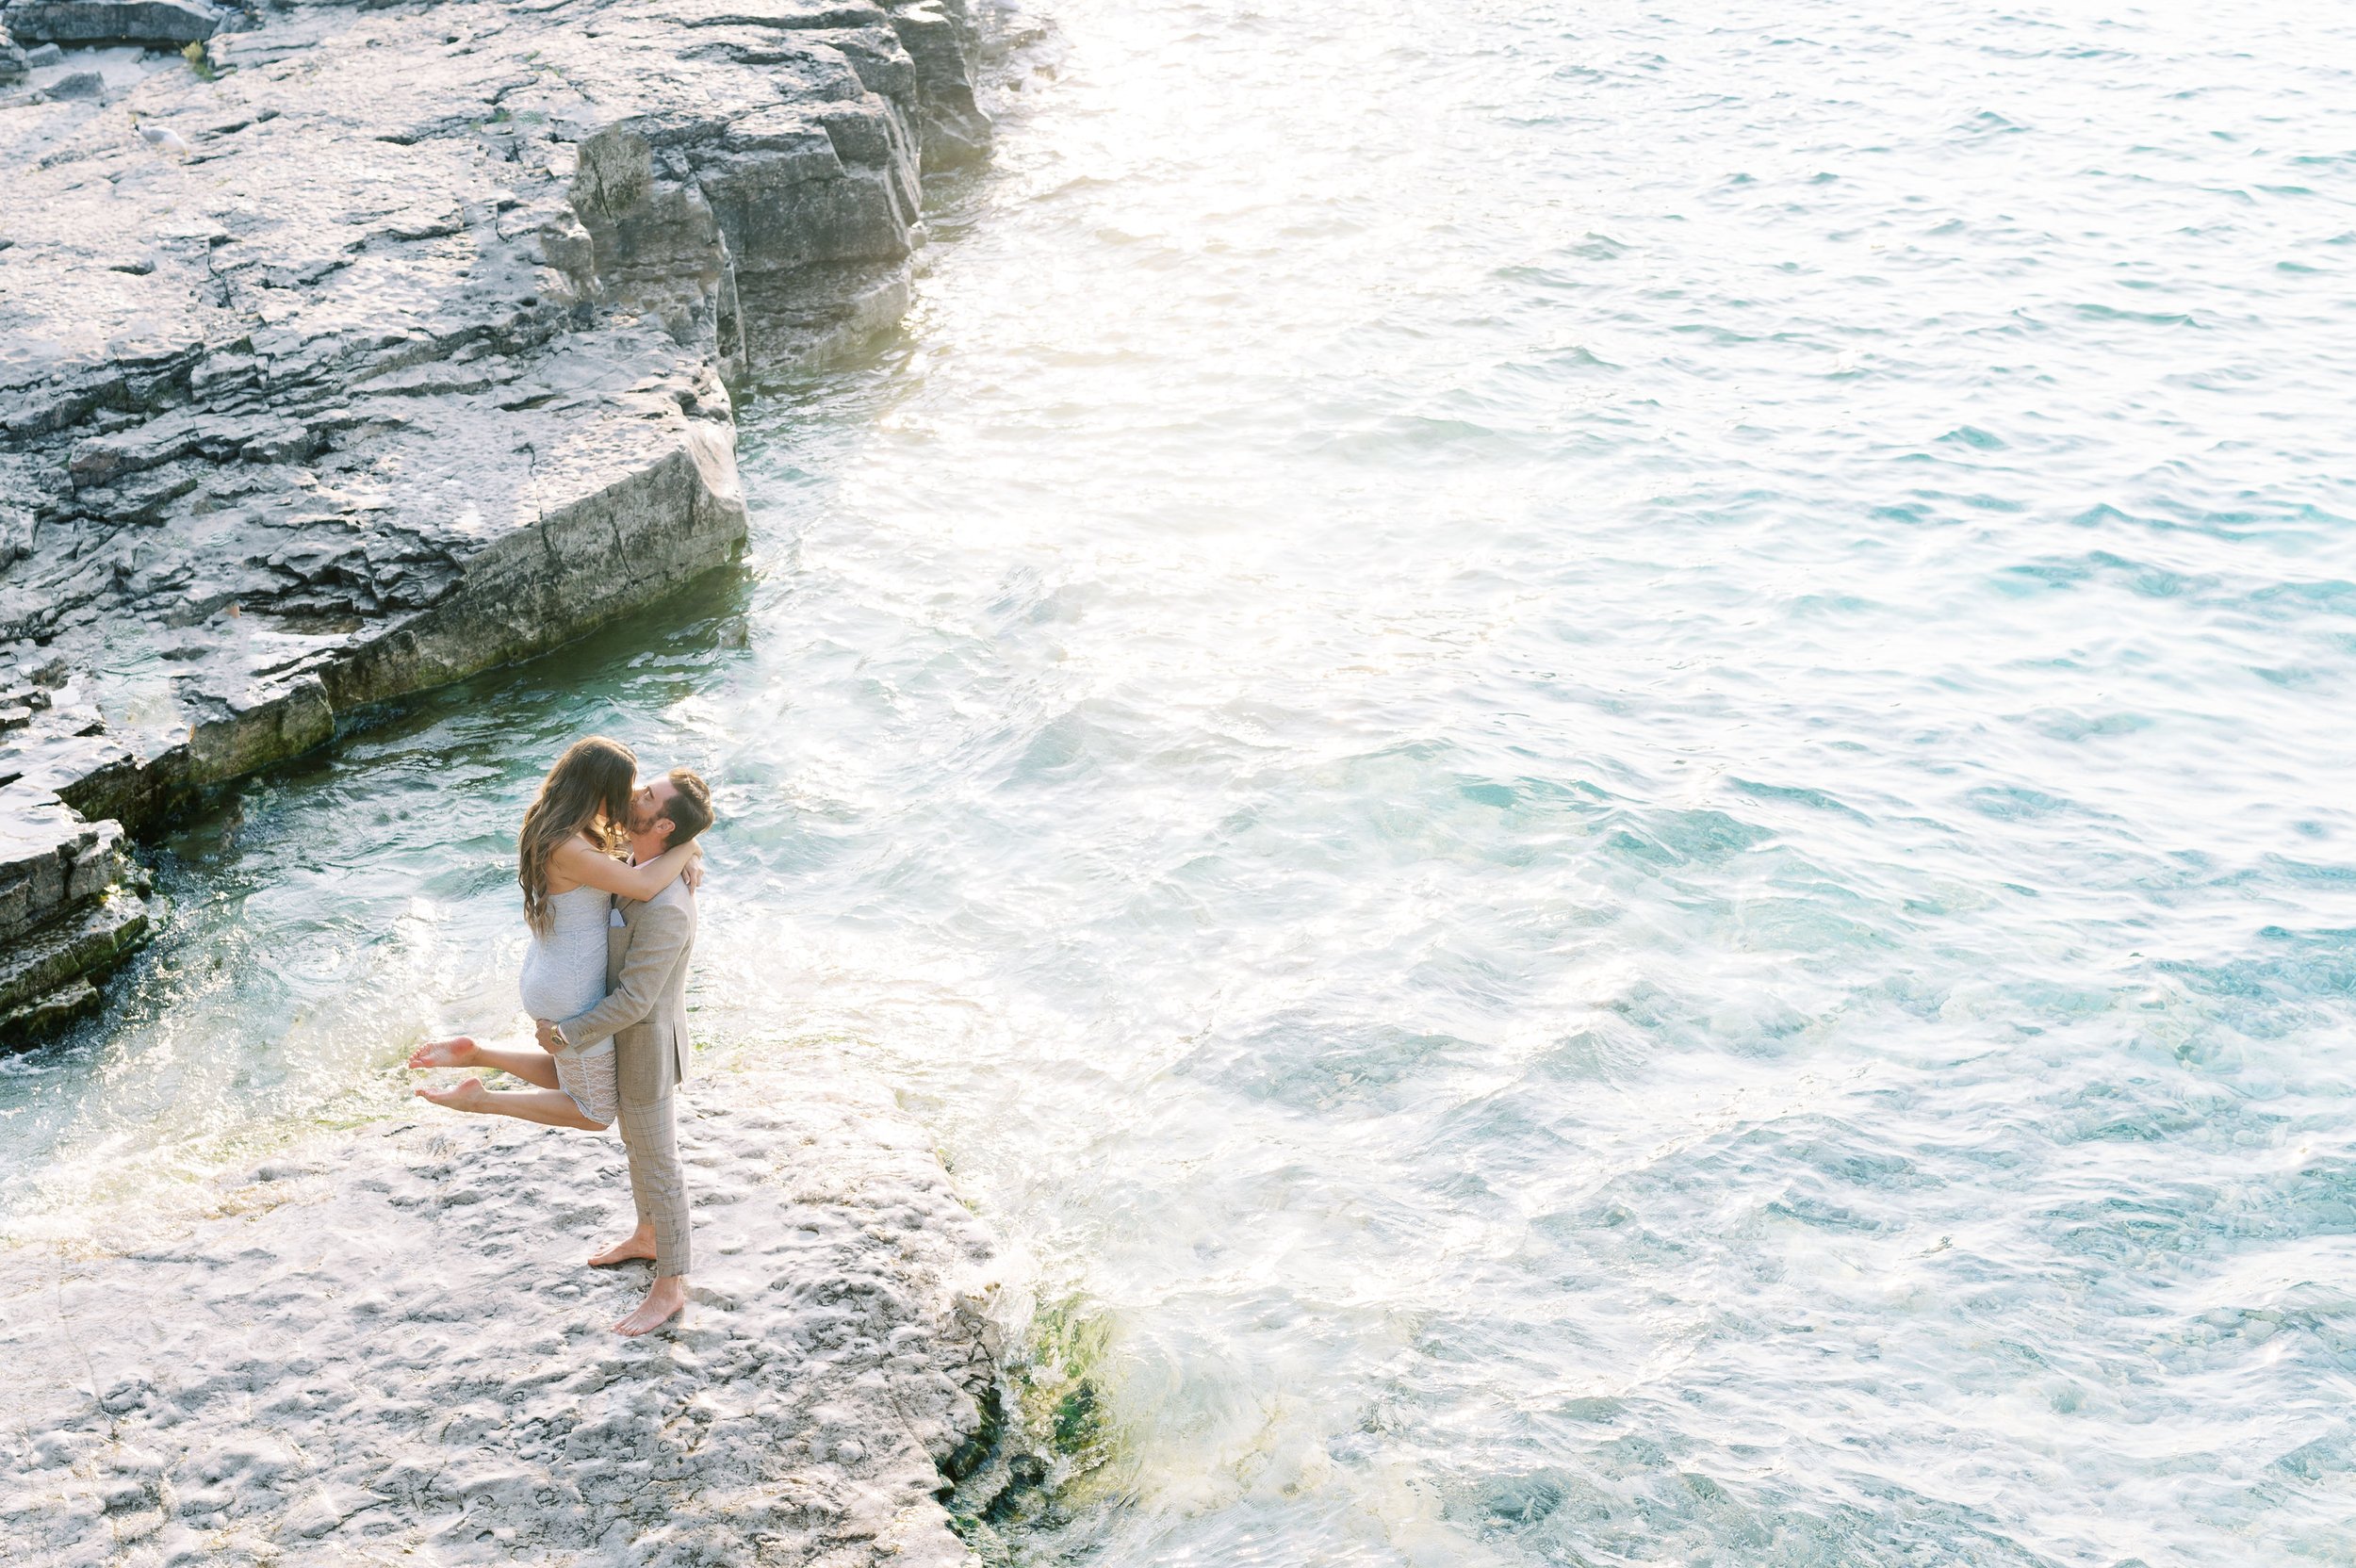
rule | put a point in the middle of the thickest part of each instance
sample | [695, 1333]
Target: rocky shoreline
[364, 347]
[383, 1346]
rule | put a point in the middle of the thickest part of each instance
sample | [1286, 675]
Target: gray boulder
[160, 24]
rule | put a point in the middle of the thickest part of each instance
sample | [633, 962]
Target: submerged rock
[405, 347]
[387, 1344]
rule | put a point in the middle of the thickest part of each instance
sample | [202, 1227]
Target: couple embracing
[608, 868]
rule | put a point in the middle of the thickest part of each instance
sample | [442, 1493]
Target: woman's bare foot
[468, 1095]
[665, 1299]
[638, 1244]
[455, 1053]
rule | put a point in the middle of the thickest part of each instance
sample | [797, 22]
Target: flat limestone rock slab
[384, 1346]
[150, 22]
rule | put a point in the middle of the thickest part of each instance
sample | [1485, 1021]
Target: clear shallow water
[1595, 763]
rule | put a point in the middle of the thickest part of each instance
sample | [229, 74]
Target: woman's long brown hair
[587, 791]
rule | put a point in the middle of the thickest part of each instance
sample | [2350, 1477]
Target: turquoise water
[1594, 765]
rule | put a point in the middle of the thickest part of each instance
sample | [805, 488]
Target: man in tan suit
[645, 1014]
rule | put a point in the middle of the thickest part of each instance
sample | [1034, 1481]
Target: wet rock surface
[386, 1347]
[371, 346]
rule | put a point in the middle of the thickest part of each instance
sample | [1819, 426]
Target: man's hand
[550, 1042]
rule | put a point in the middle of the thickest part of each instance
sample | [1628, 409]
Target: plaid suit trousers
[657, 1185]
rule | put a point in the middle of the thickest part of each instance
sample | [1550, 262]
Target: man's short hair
[690, 810]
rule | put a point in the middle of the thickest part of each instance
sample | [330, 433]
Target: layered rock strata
[386, 1348]
[375, 345]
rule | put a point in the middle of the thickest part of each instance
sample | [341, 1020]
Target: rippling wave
[1594, 764]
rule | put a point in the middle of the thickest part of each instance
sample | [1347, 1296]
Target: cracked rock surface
[403, 344]
[386, 1348]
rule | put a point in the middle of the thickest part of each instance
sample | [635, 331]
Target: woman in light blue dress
[568, 862]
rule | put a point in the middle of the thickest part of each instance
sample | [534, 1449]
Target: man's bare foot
[638, 1244]
[457, 1053]
[467, 1096]
[665, 1299]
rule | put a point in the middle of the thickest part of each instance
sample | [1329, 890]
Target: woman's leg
[550, 1107]
[533, 1065]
